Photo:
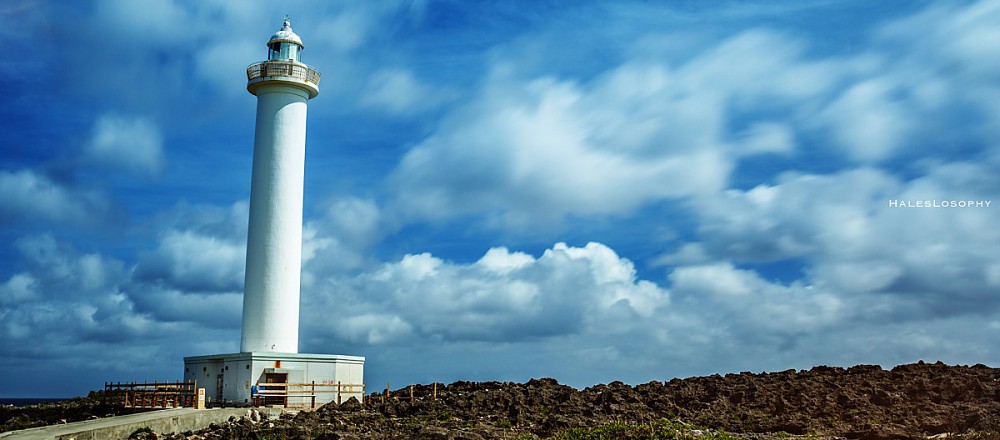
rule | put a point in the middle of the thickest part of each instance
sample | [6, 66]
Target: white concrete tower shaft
[283, 86]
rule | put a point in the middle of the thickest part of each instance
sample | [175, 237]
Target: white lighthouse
[269, 345]
[283, 86]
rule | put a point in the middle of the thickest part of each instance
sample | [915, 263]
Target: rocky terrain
[864, 402]
[43, 414]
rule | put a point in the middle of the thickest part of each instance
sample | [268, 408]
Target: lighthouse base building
[297, 379]
[268, 370]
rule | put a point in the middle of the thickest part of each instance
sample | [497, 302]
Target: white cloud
[936, 67]
[30, 196]
[528, 150]
[961, 38]
[63, 299]
[502, 261]
[852, 242]
[203, 249]
[131, 144]
[687, 254]
[751, 307]
[19, 288]
[796, 217]
[766, 137]
[193, 261]
[543, 148]
[503, 296]
[372, 329]
[760, 67]
[341, 238]
[546, 149]
[869, 122]
[67, 310]
[512, 316]
[206, 309]
[61, 264]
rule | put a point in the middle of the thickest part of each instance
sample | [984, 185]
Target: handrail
[283, 69]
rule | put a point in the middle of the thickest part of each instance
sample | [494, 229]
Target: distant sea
[24, 401]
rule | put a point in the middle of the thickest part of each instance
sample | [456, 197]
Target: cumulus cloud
[134, 145]
[854, 242]
[203, 249]
[341, 238]
[64, 308]
[752, 307]
[31, 196]
[504, 296]
[207, 309]
[63, 299]
[192, 261]
[67, 303]
[510, 315]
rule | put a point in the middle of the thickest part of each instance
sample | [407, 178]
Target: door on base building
[282, 399]
[218, 388]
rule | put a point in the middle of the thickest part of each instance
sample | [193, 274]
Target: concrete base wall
[120, 427]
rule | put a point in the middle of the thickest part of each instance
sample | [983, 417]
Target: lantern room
[284, 45]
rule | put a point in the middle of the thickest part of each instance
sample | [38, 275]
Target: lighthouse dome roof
[285, 34]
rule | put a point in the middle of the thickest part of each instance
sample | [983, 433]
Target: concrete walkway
[120, 427]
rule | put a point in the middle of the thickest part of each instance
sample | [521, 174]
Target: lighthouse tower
[283, 86]
[269, 345]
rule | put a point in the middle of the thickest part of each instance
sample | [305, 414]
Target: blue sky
[503, 190]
